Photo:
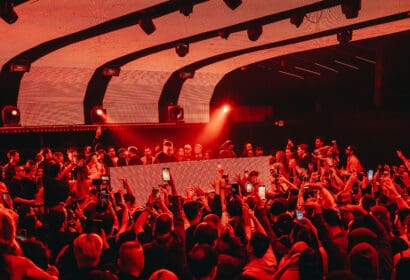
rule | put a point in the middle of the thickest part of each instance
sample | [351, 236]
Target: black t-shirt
[55, 191]
[162, 157]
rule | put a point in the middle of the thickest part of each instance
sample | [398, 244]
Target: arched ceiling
[67, 42]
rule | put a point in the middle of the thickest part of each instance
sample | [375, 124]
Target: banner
[142, 178]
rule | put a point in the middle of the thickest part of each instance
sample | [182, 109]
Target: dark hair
[129, 198]
[279, 206]
[303, 233]
[234, 208]
[260, 244]
[368, 202]
[205, 234]
[202, 259]
[311, 264]
[36, 252]
[191, 209]
[331, 217]
[163, 224]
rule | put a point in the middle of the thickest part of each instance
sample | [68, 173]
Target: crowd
[318, 217]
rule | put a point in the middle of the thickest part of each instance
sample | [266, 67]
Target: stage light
[175, 113]
[20, 65]
[226, 108]
[223, 34]
[186, 74]
[254, 32]
[233, 4]
[110, 71]
[344, 37]
[146, 24]
[297, 20]
[98, 115]
[182, 49]
[351, 8]
[7, 12]
[185, 7]
[10, 116]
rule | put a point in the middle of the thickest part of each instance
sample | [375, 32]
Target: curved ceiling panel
[196, 93]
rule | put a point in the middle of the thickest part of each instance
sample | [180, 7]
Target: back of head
[311, 264]
[191, 209]
[259, 243]
[368, 202]
[163, 274]
[364, 261]
[234, 208]
[205, 233]
[163, 224]
[56, 218]
[361, 234]
[87, 250]
[131, 258]
[279, 206]
[402, 269]
[202, 261]
[331, 217]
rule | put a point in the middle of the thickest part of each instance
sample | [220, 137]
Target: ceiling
[68, 43]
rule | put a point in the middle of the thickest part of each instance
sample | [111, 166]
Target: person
[122, 157]
[188, 152]
[353, 163]
[130, 260]
[12, 264]
[198, 152]
[14, 158]
[133, 156]
[203, 262]
[167, 153]
[226, 150]
[147, 158]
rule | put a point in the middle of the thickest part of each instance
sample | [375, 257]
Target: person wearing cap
[122, 157]
[226, 150]
[167, 153]
[188, 152]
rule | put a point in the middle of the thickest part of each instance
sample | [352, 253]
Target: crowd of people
[320, 216]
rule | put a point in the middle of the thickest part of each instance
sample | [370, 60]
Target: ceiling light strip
[308, 70]
[326, 67]
[365, 59]
[291, 74]
[346, 64]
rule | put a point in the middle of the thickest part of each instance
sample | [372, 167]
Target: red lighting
[14, 112]
[99, 112]
[226, 108]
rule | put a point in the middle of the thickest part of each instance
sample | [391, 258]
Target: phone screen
[249, 187]
[299, 215]
[370, 174]
[165, 174]
[262, 192]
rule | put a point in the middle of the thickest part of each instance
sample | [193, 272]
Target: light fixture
[20, 65]
[351, 8]
[233, 4]
[344, 37]
[112, 70]
[223, 34]
[7, 12]
[146, 24]
[186, 74]
[10, 116]
[98, 114]
[185, 7]
[226, 108]
[254, 32]
[175, 113]
[297, 19]
[182, 49]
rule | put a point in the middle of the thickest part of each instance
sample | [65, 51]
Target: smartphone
[370, 174]
[165, 174]
[6, 196]
[249, 187]
[118, 198]
[235, 188]
[262, 192]
[299, 215]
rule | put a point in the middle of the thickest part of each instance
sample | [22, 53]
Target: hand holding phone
[299, 216]
[262, 192]
[235, 188]
[166, 176]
